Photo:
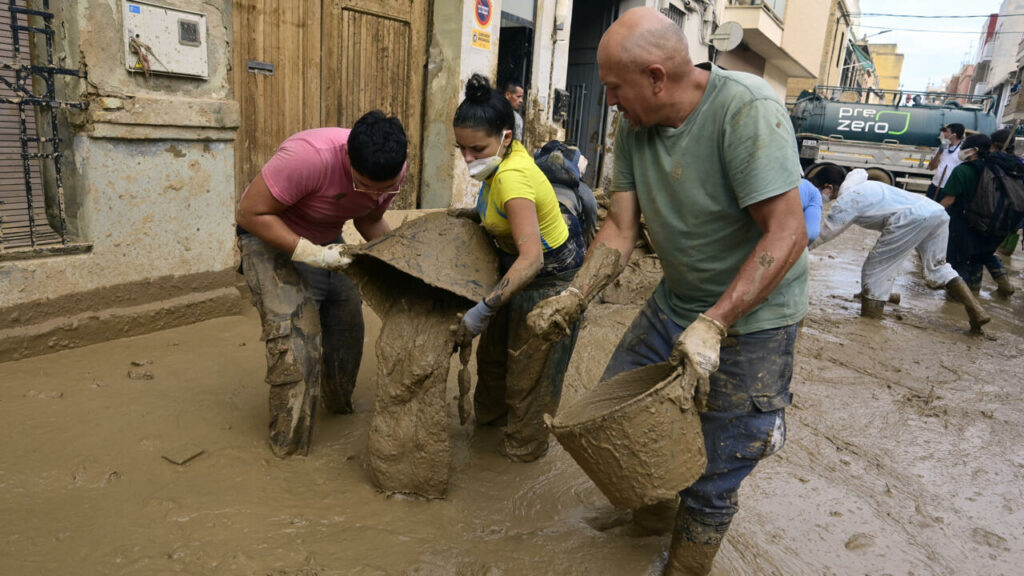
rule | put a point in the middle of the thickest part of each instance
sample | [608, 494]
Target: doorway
[585, 125]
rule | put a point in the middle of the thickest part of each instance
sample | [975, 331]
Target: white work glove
[698, 347]
[331, 257]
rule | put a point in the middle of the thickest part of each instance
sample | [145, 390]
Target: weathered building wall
[150, 187]
[888, 64]
[454, 57]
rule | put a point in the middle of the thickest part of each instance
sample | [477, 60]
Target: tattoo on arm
[494, 299]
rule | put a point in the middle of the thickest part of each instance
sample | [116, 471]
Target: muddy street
[903, 457]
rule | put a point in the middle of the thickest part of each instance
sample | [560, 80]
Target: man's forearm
[766, 266]
[271, 229]
[371, 230]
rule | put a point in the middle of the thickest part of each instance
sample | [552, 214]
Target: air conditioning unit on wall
[161, 40]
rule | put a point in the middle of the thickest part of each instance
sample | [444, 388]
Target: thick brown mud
[903, 457]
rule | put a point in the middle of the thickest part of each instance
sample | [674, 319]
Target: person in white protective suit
[907, 222]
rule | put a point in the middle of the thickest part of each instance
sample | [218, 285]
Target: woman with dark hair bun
[540, 248]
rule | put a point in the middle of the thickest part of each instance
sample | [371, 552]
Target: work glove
[476, 319]
[332, 257]
[467, 213]
[698, 348]
[553, 317]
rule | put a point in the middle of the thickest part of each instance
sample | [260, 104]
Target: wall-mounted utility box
[167, 40]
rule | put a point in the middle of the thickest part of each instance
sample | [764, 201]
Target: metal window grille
[574, 119]
[31, 220]
[675, 14]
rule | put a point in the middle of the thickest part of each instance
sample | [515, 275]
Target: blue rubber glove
[476, 318]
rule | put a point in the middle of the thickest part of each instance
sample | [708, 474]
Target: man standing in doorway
[706, 156]
[514, 94]
[289, 232]
[945, 158]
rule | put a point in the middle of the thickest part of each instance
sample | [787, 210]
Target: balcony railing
[777, 8]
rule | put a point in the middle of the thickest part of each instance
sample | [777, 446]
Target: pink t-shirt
[310, 174]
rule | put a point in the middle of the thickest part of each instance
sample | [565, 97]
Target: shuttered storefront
[17, 203]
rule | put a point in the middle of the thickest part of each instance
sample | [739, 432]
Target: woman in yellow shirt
[540, 247]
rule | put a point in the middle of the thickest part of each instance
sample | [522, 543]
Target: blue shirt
[810, 198]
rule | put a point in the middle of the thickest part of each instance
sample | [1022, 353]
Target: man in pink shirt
[289, 232]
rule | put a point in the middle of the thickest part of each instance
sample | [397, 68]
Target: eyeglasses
[376, 193]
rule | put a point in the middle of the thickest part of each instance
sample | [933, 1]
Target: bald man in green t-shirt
[708, 158]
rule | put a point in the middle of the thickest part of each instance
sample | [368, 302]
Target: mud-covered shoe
[1004, 287]
[975, 313]
[871, 308]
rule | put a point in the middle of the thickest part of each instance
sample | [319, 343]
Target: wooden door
[273, 105]
[333, 61]
[374, 57]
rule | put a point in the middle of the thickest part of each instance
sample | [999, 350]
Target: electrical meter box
[161, 40]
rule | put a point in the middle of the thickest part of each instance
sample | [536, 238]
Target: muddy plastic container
[637, 436]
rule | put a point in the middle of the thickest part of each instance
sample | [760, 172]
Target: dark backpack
[560, 163]
[997, 207]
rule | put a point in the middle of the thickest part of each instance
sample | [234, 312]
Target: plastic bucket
[637, 436]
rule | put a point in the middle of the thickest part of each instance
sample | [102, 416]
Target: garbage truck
[892, 134]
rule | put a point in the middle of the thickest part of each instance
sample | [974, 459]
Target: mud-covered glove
[476, 318]
[698, 347]
[553, 317]
[467, 213]
[331, 257]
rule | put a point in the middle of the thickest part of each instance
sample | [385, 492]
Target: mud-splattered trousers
[313, 327]
[506, 389]
[745, 420]
[923, 228]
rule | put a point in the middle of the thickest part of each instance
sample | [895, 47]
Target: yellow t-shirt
[519, 177]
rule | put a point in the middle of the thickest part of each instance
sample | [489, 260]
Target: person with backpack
[560, 163]
[539, 248]
[985, 201]
[1003, 141]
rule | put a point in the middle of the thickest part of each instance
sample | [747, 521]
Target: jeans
[745, 420]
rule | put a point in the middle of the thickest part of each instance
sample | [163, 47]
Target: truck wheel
[814, 168]
[881, 175]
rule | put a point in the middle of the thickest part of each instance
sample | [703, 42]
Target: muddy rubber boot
[694, 546]
[1005, 289]
[871, 308]
[958, 289]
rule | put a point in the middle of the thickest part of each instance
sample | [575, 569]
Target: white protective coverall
[907, 222]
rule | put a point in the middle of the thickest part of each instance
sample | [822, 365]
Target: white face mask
[963, 155]
[945, 142]
[483, 168]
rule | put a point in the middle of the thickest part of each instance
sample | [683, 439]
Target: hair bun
[478, 88]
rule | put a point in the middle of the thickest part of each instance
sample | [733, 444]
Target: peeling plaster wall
[550, 66]
[149, 172]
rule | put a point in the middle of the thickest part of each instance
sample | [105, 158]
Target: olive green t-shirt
[694, 184]
[963, 181]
